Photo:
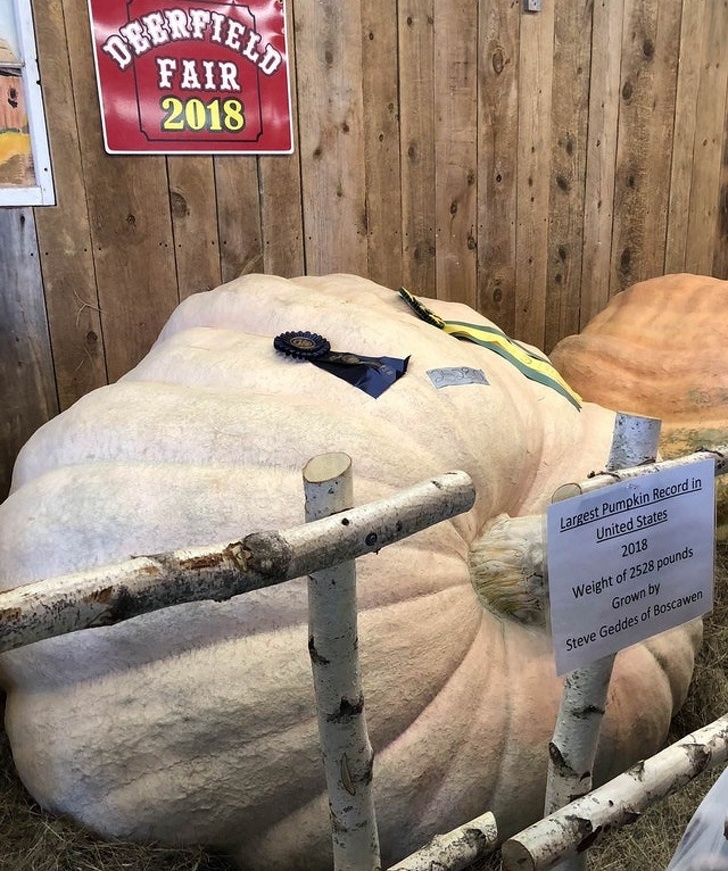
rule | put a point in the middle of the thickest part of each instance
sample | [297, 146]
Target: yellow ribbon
[532, 365]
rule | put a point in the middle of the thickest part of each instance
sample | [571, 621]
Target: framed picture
[25, 166]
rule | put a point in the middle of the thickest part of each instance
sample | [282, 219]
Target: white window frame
[42, 193]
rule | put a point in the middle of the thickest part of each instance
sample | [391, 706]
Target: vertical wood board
[456, 109]
[720, 257]
[497, 160]
[535, 82]
[281, 215]
[708, 145]
[570, 109]
[129, 214]
[27, 383]
[683, 143]
[667, 56]
[330, 111]
[194, 223]
[417, 143]
[380, 70]
[649, 83]
[601, 156]
[238, 216]
[64, 233]
[281, 207]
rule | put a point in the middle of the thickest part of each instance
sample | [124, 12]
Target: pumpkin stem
[508, 568]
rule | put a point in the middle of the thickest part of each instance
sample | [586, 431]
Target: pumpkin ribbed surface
[197, 723]
[658, 349]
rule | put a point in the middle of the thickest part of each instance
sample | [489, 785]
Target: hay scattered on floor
[32, 840]
[648, 844]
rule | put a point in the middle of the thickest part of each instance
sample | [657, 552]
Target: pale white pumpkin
[197, 723]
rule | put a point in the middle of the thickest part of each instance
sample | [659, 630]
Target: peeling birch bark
[455, 850]
[573, 748]
[109, 594]
[603, 479]
[333, 646]
[571, 830]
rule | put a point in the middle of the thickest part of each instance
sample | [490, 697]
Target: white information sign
[630, 560]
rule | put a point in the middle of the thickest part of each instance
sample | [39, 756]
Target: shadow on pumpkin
[33, 840]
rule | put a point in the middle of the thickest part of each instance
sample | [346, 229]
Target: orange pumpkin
[658, 349]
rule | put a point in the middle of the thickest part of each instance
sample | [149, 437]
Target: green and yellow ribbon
[532, 365]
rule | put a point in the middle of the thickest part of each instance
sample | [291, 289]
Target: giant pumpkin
[658, 349]
[197, 723]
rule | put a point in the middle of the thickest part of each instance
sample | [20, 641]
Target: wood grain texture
[281, 215]
[27, 381]
[708, 145]
[497, 160]
[535, 79]
[64, 233]
[456, 101]
[194, 224]
[331, 117]
[381, 142]
[683, 145]
[532, 165]
[417, 139]
[646, 124]
[129, 214]
[604, 97]
[281, 206]
[569, 116]
[238, 215]
[720, 257]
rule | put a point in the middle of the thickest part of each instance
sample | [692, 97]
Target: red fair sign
[192, 76]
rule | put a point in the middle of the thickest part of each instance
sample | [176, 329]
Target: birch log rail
[603, 479]
[579, 825]
[110, 594]
[455, 850]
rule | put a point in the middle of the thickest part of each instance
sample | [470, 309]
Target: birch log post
[110, 594]
[572, 751]
[333, 646]
[455, 850]
[571, 830]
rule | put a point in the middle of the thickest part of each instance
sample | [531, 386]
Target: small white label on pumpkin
[451, 376]
[629, 561]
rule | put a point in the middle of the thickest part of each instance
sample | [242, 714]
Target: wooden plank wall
[530, 165]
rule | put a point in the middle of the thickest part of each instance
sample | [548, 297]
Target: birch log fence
[333, 645]
[573, 749]
[577, 826]
[111, 594]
